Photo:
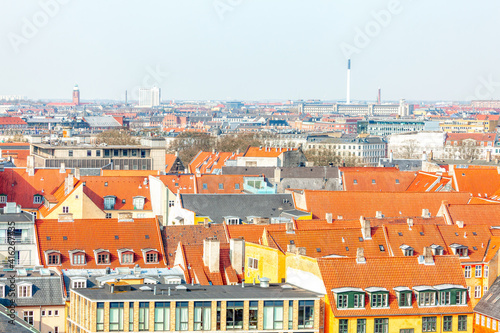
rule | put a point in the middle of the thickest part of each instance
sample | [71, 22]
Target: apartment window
[24, 291]
[109, 215]
[138, 203]
[116, 153]
[428, 324]
[202, 316]
[462, 323]
[306, 314]
[181, 316]
[381, 325]
[404, 299]
[100, 317]
[485, 290]
[273, 315]
[131, 316]
[28, 317]
[406, 330]
[478, 271]
[65, 209]
[234, 315]
[54, 259]
[171, 203]
[467, 271]
[98, 153]
[359, 300]
[37, 199]
[379, 300]
[461, 297]
[343, 325]
[462, 252]
[79, 259]
[427, 298]
[361, 326]
[162, 316]
[127, 258]
[70, 153]
[486, 271]
[253, 263]
[342, 301]
[103, 258]
[447, 323]
[89, 152]
[143, 316]
[205, 186]
[3, 198]
[221, 186]
[79, 284]
[445, 298]
[151, 257]
[109, 203]
[124, 152]
[477, 292]
[218, 315]
[116, 316]
[290, 315]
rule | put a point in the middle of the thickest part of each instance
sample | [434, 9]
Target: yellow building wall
[271, 263]
[306, 217]
[303, 263]
[396, 323]
[79, 205]
[473, 281]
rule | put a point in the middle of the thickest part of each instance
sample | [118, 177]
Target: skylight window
[400, 233]
[360, 239]
[474, 233]
[421, 233]
[381, 247]
[347, 248]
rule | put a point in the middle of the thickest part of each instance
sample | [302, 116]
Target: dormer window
[404, 296]
[379, 297]
[77, 257]
[232, 220]
[109, 202]
[2, 290]
[78, 283]
[139, 203]
[150, 256]
[126, 256]
[37, 199]
[102, 257]
[407, 250]
[437, 250]
[427, 296]
[460, 250]
[53, 257]
[350, 298]
[24, 290]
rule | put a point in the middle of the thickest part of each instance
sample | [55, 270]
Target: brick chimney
[69, 184]
[360, 256]
[211, 254]
[289, 227]
[366, 229]
[428, 258]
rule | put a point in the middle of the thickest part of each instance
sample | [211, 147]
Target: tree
[116, 137]
[408, 150]
[231, 143]
[468, 149]
[322, 157]
[188, 144]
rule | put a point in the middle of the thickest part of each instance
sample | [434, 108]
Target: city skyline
[237, 50]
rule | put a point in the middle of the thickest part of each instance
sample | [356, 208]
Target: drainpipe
[40, 319]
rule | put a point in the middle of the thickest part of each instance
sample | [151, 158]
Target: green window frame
[115, 316]
[379, 300]
[381, 325]
[273, 315]
[429, 324]
[405, 299]
[447, 323]
[361, 326]
[343, 325]
[462, 323]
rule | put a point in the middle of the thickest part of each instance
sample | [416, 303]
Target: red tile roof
[475, 214]
[230, 184]
[265, 151]
[429, 182]
[473, 136]
[184, 183]
[416, 236]
[12, 121]
[352, 205]
[107, 234]
[389, 273]
[207, 162]
[475, 237]
[377, 179]
[479, 182]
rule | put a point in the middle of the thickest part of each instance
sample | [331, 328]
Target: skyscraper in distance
[149, 97]
[76, 95]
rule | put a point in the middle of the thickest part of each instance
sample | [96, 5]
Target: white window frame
[3, 198]
[37, 199]
[253, 263]
[486, 271]
[24, 291]
[79, 284]
[477, 292]
[467, 272]
[478, 271]
[154, 255]
[65, 209]
[127, 258]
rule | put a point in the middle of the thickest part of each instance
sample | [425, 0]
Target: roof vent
[425, 213]
[460, 224]
[264, 282]
[379, 214]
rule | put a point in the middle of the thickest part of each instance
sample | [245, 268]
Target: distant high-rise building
[76, 95]
[149, 97]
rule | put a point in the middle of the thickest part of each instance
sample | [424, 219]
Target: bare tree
[468, 149]
[116, 137]
[408, 150]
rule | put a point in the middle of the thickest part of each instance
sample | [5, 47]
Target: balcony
[17, 240]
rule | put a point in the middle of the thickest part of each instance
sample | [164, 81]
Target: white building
[411, 145]
[149, 97]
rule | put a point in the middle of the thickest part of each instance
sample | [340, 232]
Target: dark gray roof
[290, 172]
[197, 292]
[402, 164]
[47, 290]
[15, 217]
[489, 305]
[18, 326]
[218, 206]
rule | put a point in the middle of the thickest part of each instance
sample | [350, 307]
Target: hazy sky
[251, 49]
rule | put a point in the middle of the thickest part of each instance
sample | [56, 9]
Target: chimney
[409, 222]
[69, 184]
[460, 224]
[391, 156]
[425, 213]
[30, 165]
[66, 217]
[289, 227]
[431, 156]
[424, 156]
[366, 229]
[125, 217]
[211, 254]
[277, 175]
[379, 214]
[329, 217]
[62, 169]
[301, 251]
[237, 254]
[77, 173]
[291, 248]
[488, 156]
[112, 288]
[428, 258]
[360, 256]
